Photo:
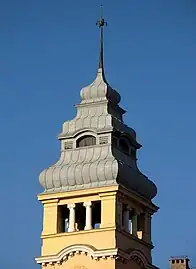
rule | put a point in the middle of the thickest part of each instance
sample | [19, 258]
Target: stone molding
[96, 255]
[71, 251]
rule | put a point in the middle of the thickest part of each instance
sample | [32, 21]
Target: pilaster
[50, 215]
[108, 210]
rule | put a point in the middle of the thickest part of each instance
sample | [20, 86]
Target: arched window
[85, 141]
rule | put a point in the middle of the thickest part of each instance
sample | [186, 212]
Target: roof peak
[99, 89]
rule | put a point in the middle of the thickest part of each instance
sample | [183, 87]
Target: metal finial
[101, 23]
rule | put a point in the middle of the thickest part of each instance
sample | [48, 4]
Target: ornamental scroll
[139, 262]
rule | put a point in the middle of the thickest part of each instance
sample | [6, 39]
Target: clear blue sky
[48, 51]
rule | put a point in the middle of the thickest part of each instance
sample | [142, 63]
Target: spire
[100, 90]
[101, 23]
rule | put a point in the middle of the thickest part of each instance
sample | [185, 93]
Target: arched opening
[85, 141]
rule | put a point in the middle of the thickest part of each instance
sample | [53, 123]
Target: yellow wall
[53, 242]
[108, 237]
[126, 241]
[100, 239]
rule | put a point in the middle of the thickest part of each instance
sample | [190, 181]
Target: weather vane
[101, 22]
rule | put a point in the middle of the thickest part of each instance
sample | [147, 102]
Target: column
[88, 225]
[131, 221]
[147, 227]
[134, 223]
[149, 230]
[71, 217]
[126, 219]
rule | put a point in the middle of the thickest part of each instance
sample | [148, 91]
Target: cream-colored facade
[112, 245]
[180, 262]
[97, 204]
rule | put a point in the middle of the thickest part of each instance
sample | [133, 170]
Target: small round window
[86, 141]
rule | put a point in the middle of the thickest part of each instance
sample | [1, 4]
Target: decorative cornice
[76, 193]
[74, 250]
[83, 130]
[125, 194]
[101, 230]
[96, 255]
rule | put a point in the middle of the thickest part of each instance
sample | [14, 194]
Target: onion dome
[97, 148]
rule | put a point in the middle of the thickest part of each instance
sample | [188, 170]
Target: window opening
[140, 222]
[96, 214]
[63, 219]
[86, 141]
[80, 216]
[124, 208]
[140, 225]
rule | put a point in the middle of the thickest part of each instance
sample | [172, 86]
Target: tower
[97, 205]
[181, 262]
